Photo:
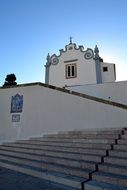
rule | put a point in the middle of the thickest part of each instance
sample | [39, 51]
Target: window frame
[72, 69]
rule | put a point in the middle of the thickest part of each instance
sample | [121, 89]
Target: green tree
[10, 80]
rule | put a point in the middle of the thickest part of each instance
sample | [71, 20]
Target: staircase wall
[47, 109]
[114, 91]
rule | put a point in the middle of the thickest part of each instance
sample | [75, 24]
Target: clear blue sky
[30, 29]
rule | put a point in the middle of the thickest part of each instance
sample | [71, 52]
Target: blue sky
[30, 29]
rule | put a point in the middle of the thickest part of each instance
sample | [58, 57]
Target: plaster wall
[114, 91]
[47, 110]
[108, 76]
[86, 73]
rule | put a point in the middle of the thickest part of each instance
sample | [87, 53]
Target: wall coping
[100, 100]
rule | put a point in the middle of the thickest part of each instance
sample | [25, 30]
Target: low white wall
[48, 110]
[115, 91]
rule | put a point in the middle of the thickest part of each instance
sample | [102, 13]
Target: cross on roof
[70, 39]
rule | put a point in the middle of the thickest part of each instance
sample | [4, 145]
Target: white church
[79, 92]
[76, 66]
[72, 129]
[84, 71]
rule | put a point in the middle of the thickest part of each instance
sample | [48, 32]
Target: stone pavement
[11, 180]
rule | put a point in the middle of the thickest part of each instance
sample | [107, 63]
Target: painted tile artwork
[16, 118]
[16, 103]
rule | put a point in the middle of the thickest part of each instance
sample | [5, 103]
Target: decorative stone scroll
[89, 54]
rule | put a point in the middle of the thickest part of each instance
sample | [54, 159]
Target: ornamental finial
[70, 39]
[48, 59]
[96, 51]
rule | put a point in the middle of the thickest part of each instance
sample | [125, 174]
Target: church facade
[80, 93]
[76, 66]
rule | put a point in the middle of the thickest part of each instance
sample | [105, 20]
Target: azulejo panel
[16, 118]
[16, 103]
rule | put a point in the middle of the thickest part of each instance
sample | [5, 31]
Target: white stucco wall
[109, 75]
[48, 110]
[86, 72]
[115, 91]
[89, 68]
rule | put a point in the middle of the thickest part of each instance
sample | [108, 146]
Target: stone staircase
[112, 172]
[88, 159]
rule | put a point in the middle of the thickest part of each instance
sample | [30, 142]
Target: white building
[91, 99]
[76, 66]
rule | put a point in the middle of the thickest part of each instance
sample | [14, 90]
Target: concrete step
[82, 136]
[116, 160]
[70, 158]
[120, 147]
[92, 140]
[118, 153]
[113, 169]
[124, 136]
[49, 167]
[45, 145]
[122, 141]
[95, 131]
[60, 178]
[48, 159]
[125, 132]
[56, 148]
[95, 185]
[38, 154]
[114, 179]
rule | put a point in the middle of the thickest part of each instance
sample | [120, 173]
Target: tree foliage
[10, 80]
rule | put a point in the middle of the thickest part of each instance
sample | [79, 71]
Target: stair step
[49, 167]
[120, 147]
[60, 145]
[47, 159]
[105, 141]
[38, 155]
[71, 158]
[113, 169]
[50, 148]
[125, 132]
[116, 160]
[117, 153]
[82, 136]
[60, 178]
[114, 179]
[95, 131]
[95, 185]
[124, 136]
[122, 141]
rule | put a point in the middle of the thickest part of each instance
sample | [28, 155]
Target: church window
[105, 69]
[71, 71]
